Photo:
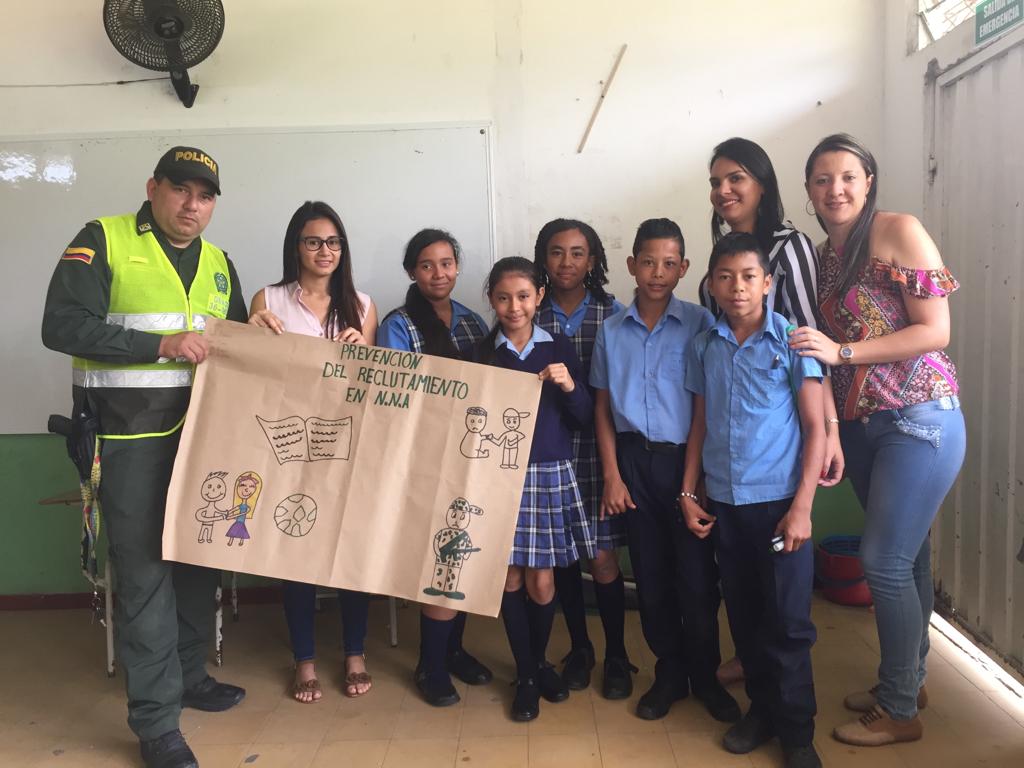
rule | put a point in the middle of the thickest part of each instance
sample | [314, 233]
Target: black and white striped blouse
[793, 264]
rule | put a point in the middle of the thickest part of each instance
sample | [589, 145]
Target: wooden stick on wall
[600, 99]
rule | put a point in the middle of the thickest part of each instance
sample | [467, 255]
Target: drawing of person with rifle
[452, 547]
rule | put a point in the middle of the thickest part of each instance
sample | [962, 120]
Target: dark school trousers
[768, 601]
[164, 611]
[676, 575]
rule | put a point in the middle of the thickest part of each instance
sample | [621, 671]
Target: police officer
[129, 300]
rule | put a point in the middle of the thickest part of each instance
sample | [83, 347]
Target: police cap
[183, 163]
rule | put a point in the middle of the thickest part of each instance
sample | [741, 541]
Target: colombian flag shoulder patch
[84, 255]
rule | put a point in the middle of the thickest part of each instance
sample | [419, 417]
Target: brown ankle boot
[864, 701]
[876, 728]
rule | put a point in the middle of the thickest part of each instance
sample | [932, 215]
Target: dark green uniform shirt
[78, 299]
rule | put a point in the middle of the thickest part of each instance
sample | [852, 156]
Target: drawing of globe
[295, 515]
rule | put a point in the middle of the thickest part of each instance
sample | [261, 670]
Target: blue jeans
[299, 607]
[902, 463]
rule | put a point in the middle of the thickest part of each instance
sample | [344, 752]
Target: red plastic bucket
[839, 571]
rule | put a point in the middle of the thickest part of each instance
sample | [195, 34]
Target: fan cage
[125, 24]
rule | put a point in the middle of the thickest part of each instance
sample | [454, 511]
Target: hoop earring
[810, 212]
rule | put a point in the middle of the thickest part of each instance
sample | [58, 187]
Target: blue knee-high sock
[569, 588]
[541, 617]
[458, 628]
[611, 603]
[433, 644]
[517, 627]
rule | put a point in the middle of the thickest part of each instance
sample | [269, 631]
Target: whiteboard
[386, 183]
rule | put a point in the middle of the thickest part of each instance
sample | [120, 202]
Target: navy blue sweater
[559, 412]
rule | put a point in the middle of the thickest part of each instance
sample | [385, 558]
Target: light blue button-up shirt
[571, 323]
[752, 451]
[539, 334]
[643, 370]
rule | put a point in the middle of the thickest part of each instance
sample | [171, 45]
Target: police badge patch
[221, 281]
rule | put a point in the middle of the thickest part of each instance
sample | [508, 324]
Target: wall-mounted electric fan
[166, 35]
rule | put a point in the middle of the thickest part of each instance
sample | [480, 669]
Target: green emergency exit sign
[993, 17]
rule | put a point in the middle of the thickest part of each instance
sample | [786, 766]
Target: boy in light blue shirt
[642, 419]
[759, 419]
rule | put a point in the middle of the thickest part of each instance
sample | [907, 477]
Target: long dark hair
[755, 161]
[344, 309]
[437, 337]
[597, 278]
[510, 265]
[857, 249]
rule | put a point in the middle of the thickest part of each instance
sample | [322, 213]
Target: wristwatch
[846, 354]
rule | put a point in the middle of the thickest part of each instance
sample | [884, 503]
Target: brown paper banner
[388, 472]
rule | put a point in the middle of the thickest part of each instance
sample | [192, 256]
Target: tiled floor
[58, 708]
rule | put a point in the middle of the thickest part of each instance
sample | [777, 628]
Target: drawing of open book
[311, 439]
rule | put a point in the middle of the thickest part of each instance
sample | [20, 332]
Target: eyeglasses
[315, 243]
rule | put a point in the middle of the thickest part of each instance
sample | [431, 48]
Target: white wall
[902, 158]
[782, 73]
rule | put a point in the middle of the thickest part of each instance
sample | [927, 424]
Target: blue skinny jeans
[299, 608]
[902, 463]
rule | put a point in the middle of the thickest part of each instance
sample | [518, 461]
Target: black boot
[618, 682]
[431, 675]
[168, 751]
[660, 697]
[460, 662]
[211, 696]
[526, 703]
[748, 734]
[719, 703]
[577, 665]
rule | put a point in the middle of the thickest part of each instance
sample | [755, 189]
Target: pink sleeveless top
[285, 301]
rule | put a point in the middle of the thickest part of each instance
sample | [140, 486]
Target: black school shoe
[211, 696]
[436, 689]
[552, 687]
[748, 734]
[578, 663]
[801, 757]
[526, 703]
[618, 682]
[468, 669]
[168, 751]
[660, 697]
[719, 703]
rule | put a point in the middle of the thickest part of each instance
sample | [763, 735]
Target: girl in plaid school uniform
[552, 529]
[432, 322]
[573, 266]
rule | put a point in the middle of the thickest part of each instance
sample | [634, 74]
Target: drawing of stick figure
[511, 437]
[214, 489]
[472, 444]
[247, 491]
[452, 547]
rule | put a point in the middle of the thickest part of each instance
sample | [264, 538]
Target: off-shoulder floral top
[874, 307]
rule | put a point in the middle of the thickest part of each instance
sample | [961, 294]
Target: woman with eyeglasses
[315, 296]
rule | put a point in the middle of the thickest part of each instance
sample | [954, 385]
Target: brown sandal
[311, 686]
[354, 679]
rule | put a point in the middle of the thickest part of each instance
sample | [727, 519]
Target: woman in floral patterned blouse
[882, 294]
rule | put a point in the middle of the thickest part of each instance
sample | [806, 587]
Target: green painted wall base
[39, 553]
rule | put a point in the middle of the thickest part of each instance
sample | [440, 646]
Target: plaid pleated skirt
[610, 532]
[552, 529]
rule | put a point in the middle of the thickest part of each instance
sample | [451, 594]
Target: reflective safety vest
[146, 294]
